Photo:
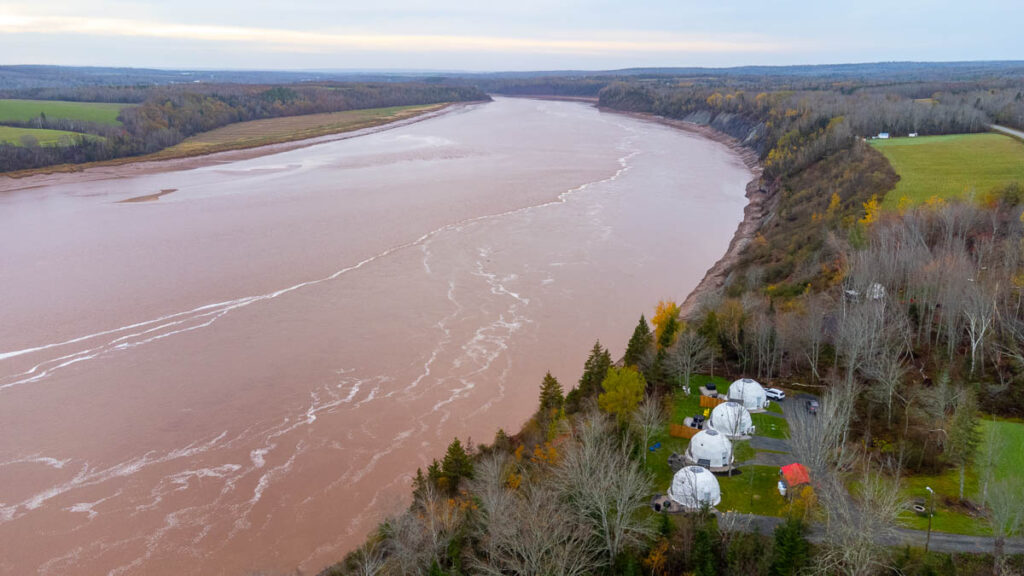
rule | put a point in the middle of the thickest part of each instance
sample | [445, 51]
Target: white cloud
[602, 42]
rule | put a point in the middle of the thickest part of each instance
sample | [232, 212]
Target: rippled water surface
[241, 375]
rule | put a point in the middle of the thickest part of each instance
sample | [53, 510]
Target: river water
[241, 376]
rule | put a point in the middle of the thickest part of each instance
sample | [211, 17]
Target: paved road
[1008, 131]
[940, 542]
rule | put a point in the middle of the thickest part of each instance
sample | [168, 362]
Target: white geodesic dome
[748, 392]
[709, 448]
[731, 419]
[694, 487]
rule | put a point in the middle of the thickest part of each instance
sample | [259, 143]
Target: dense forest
[166, 115]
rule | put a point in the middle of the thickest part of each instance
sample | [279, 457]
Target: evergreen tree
[551, 399]
[704, 554]
[456, 465]
[792, 552]
[639, 348]
[668, 333]
[595, 369]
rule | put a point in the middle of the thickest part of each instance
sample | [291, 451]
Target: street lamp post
[931, 512]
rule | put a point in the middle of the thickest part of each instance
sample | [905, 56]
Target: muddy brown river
[240, 375]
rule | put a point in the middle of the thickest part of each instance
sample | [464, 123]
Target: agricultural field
[286, 129]
[951, 166]
[20, 136]
[26, 110]
[950, 515]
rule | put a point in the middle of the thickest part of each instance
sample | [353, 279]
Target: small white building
[912, 135]
[883, 136]
[731, 419]
[694, 488]
[710, 449]
[748, 392]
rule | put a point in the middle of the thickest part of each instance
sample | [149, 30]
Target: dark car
[710, 386]
[812, 406]
[697, 422]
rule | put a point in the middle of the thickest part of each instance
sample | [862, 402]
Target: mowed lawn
[950, 166]
[25, 110]
[16, 136]
[950, 515]
[275, 130]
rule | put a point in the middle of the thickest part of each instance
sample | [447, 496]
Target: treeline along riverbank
[162, 116]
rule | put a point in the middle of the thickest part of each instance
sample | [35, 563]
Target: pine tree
[456, 465]
[704, 554]
[791, 549]
[639, 348]
[595, 369]
[551, 398]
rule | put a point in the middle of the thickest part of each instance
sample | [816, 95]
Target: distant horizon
[418, 71]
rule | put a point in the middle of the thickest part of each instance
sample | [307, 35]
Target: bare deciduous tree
[529, 530]
[690, 354]
[857, 526]
[647, 420]
[1005, 503]
[979, 309]
[605, 487]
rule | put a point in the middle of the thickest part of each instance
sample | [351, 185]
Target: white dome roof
[731, 419]
[695, 487]
[709, 448]
[749, 392]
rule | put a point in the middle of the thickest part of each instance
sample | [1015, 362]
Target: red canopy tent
[795, 474]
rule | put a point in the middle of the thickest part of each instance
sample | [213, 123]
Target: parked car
[812, 406]
[775, 394]
[710, 386]
[698, 422]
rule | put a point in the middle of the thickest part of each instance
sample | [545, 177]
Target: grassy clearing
[950, 515]
[290, 128]
[951, 166]
[754, 491]
[25, 110]
[16, 136]
[770, 426]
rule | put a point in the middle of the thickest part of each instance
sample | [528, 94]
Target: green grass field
[25, 110]
[754, 491]
[11, 135]
[949, 515]
[950, 166]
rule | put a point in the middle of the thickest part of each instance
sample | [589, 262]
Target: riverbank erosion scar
[761, 201]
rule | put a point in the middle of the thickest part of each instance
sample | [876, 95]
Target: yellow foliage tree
[935, 203]
[666, 309]
[623, 391]
[872, 208]
[833, 205]
[903, 205]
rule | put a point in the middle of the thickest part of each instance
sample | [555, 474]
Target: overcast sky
[516, 35]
